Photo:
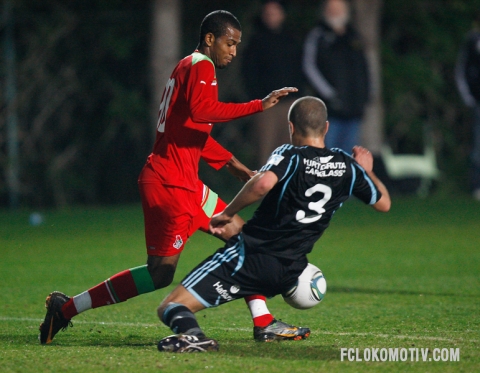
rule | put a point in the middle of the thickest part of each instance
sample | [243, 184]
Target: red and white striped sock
[258, 308]
[118, 288]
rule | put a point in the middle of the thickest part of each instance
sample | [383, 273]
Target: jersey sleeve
[214, 154]
[362, 186]
[202, 95]
[281, 161]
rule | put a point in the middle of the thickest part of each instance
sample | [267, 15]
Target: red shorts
[173, 214]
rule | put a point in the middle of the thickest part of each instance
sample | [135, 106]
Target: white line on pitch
[145, 325]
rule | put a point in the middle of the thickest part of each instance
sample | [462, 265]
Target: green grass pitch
[408, 279]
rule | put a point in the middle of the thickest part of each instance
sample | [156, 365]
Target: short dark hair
[217, 22]
[309, 116]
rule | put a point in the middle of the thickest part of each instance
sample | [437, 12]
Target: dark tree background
[82, 100]
[84, 88]
[420, 42]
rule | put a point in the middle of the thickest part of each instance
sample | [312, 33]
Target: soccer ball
[309, 290]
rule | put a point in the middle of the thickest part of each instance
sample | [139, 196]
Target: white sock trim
[258, 307]
[82, 301]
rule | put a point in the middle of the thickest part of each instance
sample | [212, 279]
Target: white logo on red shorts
[178, 242]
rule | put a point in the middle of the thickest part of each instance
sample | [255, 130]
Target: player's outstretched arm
[253, 190]
[274, 97]
[365, 159]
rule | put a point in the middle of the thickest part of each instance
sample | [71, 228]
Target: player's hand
[273, 98]
[218, 223]
[239, 170]
[363, 157]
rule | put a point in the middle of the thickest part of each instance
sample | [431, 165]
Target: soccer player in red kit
[175, 202]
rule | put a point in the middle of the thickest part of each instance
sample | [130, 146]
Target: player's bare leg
[162, 269]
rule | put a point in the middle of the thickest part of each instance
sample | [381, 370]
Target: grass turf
[406, 279]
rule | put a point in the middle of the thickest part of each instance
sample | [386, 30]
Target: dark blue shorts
[233, 273]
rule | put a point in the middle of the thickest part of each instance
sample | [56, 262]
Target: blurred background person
[467, 77]
[271, 57]
[335, 66]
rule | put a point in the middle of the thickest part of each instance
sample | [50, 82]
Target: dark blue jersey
[312, 184]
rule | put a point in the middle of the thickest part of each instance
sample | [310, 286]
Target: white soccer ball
[309, 290]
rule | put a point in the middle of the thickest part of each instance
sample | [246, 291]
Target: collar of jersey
[197, 57]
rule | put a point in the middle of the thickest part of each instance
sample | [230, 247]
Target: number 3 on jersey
[315, 206]
[162, 112]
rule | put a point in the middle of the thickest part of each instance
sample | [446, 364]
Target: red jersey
[188, 108]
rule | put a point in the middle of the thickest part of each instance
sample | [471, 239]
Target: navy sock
[181, 320]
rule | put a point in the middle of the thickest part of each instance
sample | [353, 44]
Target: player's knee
[162, 269]
[162, 281]
[162, 276]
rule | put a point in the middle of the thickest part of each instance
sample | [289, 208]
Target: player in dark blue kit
[303, 184]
